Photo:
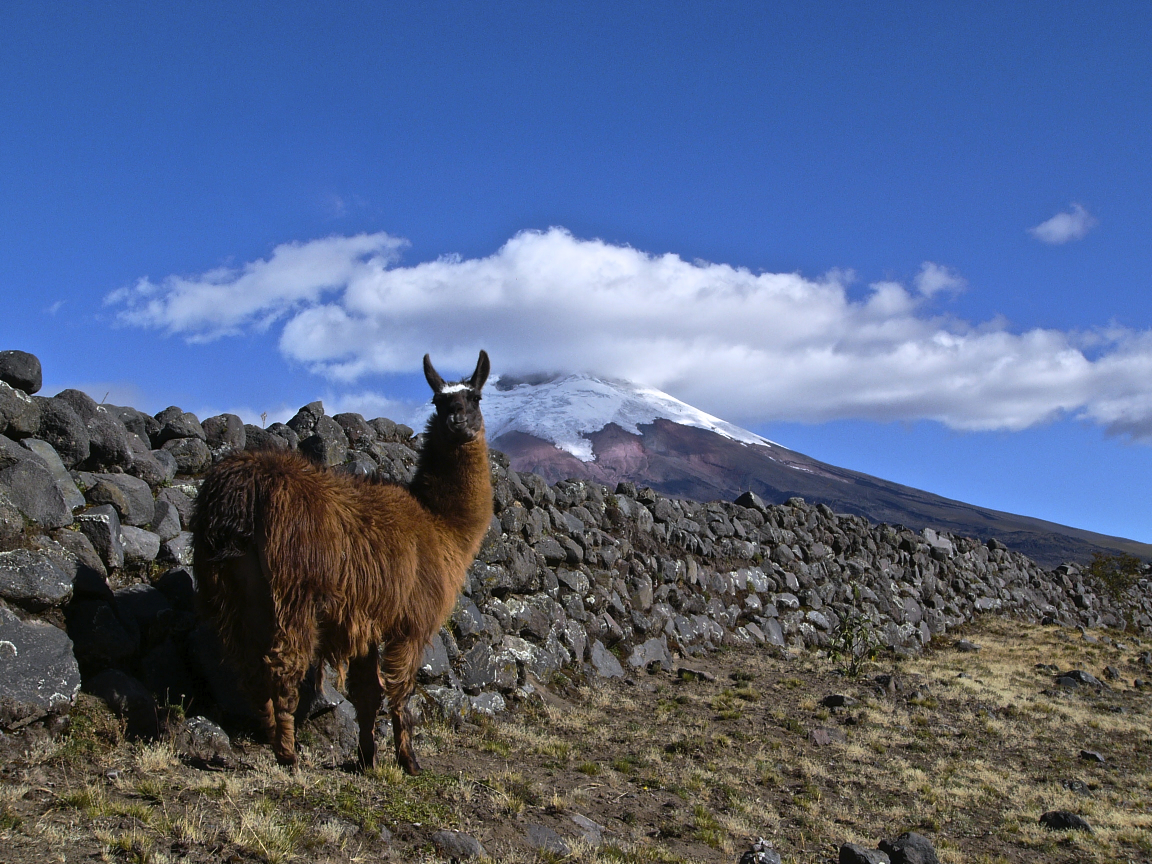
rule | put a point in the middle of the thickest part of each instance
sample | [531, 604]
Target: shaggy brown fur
[296, 564]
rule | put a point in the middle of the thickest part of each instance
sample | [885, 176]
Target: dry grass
[970, 752]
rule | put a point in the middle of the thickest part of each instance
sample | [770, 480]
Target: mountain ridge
[703, 459]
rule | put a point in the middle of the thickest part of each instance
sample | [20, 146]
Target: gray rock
[167, 463]
[142, 425]
[286, 433]
[21, 370]
[303, 422]
[256, 438]
[11, 519]
[544, 838]
[850, 853]
[108, 441]
[165, 520]
[178, 550]
[140, 506]
[760, 853]
[483, 668]
[604, 662]
[62, 427]
[174, 424]
[47, 454]
[103, 492]
[191, 454]
[910, 848]
[1092, 756]
[30, 487]
[19, 413]
[1063, 820]
[591, 832]
[146, 465]
[360, 435]
[435, 663]
[101, 525]
[653, 651]
[77, 544]
[38, 670]
[179, 500]
[457, 845]
[490, 704]
[225, 433]
[204, 743]
[127, 698]
[32, 580]
[83, 404]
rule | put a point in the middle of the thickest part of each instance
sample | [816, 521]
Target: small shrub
[1114, 574]
[854, 643]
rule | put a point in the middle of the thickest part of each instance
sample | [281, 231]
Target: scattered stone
[687, 674]
[910, 848]
[1077, 786]
[591, 832]
[761, 852]
[965, 645]
[204, 744]
[838, 700]
[457, 845]
[1091, 756]
[850, 853]
[822, 736]
[1062, 820]
[544, 838]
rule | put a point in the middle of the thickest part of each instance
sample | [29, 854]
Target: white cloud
[934, 278]
[1073, 225]
[225, 300]
[748, 347]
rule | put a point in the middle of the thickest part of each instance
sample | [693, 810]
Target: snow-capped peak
[563, 409]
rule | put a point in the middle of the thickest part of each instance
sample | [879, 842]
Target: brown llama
[296, 564]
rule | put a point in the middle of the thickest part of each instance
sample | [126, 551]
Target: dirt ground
[965, 747]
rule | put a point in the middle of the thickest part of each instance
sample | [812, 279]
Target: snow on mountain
[563, 409]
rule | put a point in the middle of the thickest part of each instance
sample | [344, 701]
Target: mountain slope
[608, 431]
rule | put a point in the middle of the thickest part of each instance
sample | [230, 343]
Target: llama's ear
[483, 367]
[433, 377]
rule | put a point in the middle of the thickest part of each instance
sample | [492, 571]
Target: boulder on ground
[32, 580]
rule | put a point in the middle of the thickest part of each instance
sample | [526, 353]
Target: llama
[296, 564]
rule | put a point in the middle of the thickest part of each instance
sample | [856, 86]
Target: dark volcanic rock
[175, 423]
[63, 428]
[191, 454]
[910, 848]
[127, 698]
[29, 486]
[38, 671]
[19, 413]
[101, 525]
[1062, 820]
[33, 580]
[21, 370]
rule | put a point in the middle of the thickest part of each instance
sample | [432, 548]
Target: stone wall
[96, 587]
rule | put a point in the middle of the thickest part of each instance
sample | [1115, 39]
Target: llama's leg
[366, 692]
[287, 671]
[401, 660]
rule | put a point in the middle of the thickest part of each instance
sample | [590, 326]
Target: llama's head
[458, 403]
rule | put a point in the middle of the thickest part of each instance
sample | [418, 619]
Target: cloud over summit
[748, 347]
[1073, 225]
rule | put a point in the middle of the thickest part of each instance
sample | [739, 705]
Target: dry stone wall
[96, 586]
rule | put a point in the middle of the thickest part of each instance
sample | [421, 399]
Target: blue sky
[811, 219]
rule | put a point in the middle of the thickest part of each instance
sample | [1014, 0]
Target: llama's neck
[454, 483]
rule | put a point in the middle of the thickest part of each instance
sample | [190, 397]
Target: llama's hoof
[287, 760]
[409, 764]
